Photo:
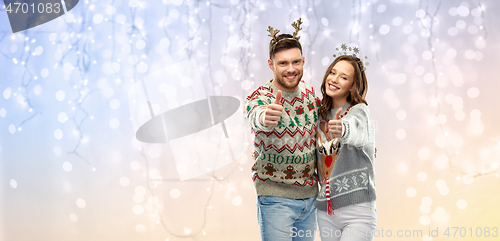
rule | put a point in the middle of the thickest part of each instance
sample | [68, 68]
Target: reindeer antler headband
[273, 32]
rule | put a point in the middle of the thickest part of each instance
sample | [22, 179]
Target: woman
[346, 151]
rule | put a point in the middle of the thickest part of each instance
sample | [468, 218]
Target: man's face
[288, 68]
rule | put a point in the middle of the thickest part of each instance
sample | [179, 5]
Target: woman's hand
[335, 127]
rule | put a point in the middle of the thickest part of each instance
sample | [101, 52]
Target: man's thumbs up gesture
[273, 111]
[335, 126]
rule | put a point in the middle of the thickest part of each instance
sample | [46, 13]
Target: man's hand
[335, 126]
[273, 111]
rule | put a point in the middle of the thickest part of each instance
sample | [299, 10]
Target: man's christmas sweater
[285, 158]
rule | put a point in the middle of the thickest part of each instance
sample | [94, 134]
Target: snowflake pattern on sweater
[346, 183]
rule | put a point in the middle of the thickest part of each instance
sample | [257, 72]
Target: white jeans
[356, 222]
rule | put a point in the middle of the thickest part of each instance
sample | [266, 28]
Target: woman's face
[339, 82]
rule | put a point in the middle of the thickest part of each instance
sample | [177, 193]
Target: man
[283, 116]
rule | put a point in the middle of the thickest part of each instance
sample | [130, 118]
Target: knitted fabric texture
[351, 179]
[328, 149]
[285, 155]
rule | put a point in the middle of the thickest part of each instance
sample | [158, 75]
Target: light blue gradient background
[99, 183]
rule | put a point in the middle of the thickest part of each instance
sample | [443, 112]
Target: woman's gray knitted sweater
[353, 174]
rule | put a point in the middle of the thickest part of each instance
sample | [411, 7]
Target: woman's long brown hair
[359, 86]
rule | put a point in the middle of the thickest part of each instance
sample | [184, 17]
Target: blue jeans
[356, 222]
[285, 219]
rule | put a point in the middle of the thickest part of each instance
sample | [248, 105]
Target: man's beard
[287, 84]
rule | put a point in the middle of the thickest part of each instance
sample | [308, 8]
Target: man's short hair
[285, 41]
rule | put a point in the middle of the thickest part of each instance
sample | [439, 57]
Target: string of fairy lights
[193, 39]
[74, 44]
[431, 19]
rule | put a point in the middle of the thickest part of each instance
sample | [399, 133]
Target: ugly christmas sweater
[347, 161]
[285, 158]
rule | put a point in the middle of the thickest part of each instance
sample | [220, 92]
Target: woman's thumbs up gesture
[335, 126]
